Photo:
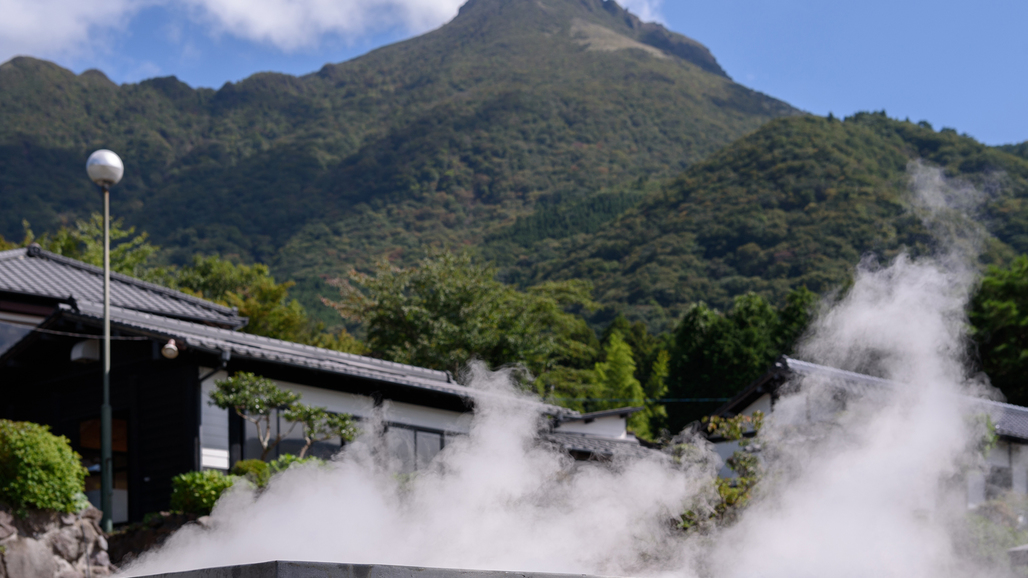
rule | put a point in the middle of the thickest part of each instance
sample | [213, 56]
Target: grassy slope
[799, 202]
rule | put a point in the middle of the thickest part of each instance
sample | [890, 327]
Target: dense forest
[510, 110]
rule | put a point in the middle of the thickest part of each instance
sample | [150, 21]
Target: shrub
[257, 471]
[285, 461]
[196, 492]
[38, 469]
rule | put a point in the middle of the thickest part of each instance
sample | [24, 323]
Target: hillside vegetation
[438, 140]
[797, 203]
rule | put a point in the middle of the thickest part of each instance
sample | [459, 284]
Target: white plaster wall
[427, 417]
[213, 426]
[725, 450]
[612, 426]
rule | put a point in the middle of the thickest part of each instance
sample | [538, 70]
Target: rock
[67, 542]
[100, 559]
[65, 570]
[7, 527]
[92, 513]
[38, 522]
[101, 543]
[88, 531]
[69, 519]
[205, 521]
[28, 558]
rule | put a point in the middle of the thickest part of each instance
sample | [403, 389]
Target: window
[415, 448]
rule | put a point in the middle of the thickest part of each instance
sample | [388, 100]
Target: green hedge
[257, 471]
[196, 492]
[38, 469]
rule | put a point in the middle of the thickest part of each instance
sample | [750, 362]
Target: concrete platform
[284, 569]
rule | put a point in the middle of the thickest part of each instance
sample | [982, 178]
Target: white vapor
[857, 484]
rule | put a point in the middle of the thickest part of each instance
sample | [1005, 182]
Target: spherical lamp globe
[105, 168]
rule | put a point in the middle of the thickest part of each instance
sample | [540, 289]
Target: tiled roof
[245, 345]
[1010, 420]
[34, 271]
[598, 446]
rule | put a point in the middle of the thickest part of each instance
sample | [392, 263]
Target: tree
[999, 320]
[447, 310]
[84, 241]
[320, 425]
[650, 353]
[716, 355]
[254, 398]
[257, 296]
[620, 388]
[734, 492]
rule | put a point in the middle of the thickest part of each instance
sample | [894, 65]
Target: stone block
[67, 542]
[28, 558]
[283, 569]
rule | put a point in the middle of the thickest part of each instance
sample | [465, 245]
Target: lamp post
[105, 169]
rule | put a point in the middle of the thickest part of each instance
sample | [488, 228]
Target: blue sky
[954, 64]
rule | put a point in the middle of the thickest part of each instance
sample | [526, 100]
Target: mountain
[798, 202]
[443, 139]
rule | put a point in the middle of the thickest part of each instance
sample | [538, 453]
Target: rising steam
[861, 489]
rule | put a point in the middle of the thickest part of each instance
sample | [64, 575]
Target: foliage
[319, 425]
[735, 492]
[985, 533]
[619, 387]
[448, 310]
[796, 203]
[197, 492]
[84, 241]
[286, 461]
[381, 154]
[256, 471]
[38, 469]
[999, 320]
[254, 292]
[651, 357]
[254, 398]
[715, 355]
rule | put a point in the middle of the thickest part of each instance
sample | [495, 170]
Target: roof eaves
[39, 253]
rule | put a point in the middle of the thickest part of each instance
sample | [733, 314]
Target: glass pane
[401, 446]
[429, 445]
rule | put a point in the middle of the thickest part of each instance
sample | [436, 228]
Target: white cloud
[294, 24]
[52, 28]
[62, 28]
[647, 10]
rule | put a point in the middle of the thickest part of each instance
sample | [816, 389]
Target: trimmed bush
[285, 461]
[256, 471]
[196, 492]
[38, 469]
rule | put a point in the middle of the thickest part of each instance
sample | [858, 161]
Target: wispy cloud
[647, 10]
[61, 28]
[53, 28]
[296, 24]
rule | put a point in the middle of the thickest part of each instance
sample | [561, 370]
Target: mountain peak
[584, 19]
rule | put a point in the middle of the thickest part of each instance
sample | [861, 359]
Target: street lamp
[105, 169]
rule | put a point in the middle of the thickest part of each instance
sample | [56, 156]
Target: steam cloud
[863, 491]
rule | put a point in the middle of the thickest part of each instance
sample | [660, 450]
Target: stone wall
[46, 544]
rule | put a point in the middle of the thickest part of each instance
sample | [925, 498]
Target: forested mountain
[797, 203]
[439, 140]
